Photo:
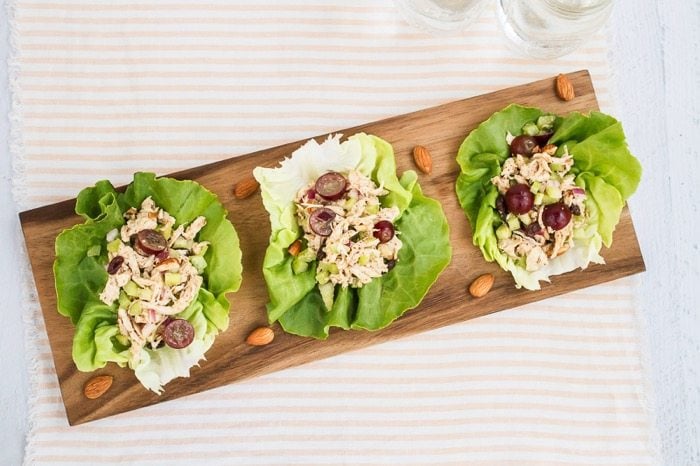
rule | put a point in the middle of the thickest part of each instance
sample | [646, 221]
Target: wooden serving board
[441, 129]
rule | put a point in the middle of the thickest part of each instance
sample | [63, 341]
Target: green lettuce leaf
[80, 278]
[603, 166]
[295, 300]
[94, 342]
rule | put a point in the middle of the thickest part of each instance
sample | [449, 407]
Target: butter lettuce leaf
[80, 277]
[295, 300]
[603, 166]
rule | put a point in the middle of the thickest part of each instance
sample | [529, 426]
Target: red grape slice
[383, 231]
[523, 145]
[519, 199]
[150, 242]
[543, 139]
[115, 264]
[331, 186]
[556, 216]
[321, 221]
[178, 333]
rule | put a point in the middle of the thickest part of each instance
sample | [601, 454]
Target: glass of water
[440, 16]
[551, 28]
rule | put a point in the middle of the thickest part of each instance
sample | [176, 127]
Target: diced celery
[363, 260]
[535, 187]
[332, 269]
[553, 192]
[349, 203]
[135, 309]
[132, 289]
[299, 266]
[113, 246]
[181, 243]
[327, 291]
[530, 129]
[199, 263]
[557, 167]
[503, 232]
[525, 219]
[203, 250]
[549, 199]
[122, 339]
[172, 279]
[322, 277]
[94, 251]
[146, 294]
[124, 300]
[539, 197]
[167, 231]
[546, 122]
[307, 255]
[513, 222]
[372, 209]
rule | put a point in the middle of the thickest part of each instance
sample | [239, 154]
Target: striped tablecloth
[102, 89]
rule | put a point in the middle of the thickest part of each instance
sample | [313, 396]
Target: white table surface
[656, 59]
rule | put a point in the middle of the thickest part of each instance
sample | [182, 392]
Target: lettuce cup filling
[144, 279]
[370, 244]
[544, 193]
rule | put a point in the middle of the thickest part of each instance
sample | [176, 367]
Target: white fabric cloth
[103, 89]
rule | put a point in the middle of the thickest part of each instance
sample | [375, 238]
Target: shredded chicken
[548, 177]
[351, 252]
[160, 285]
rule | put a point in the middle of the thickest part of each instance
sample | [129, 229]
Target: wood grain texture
[441, 129]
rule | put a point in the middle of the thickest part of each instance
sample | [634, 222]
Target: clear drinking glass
[551, 28]
[440, 16]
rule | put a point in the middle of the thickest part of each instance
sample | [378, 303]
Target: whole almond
[295, 248]
[245, 188]
[564, 88]
[261, 336]
[97, 386]
[423, 160]
[481, 285]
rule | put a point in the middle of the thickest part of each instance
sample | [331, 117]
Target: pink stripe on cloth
[116, 86]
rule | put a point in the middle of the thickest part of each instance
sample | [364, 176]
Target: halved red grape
[543, 139]
[556, 216]
[150, 242]
[178, 333]
[519, 199]
[115, 264]
[321, 221]
[383, 231]
[523, 145]
[331, 186]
